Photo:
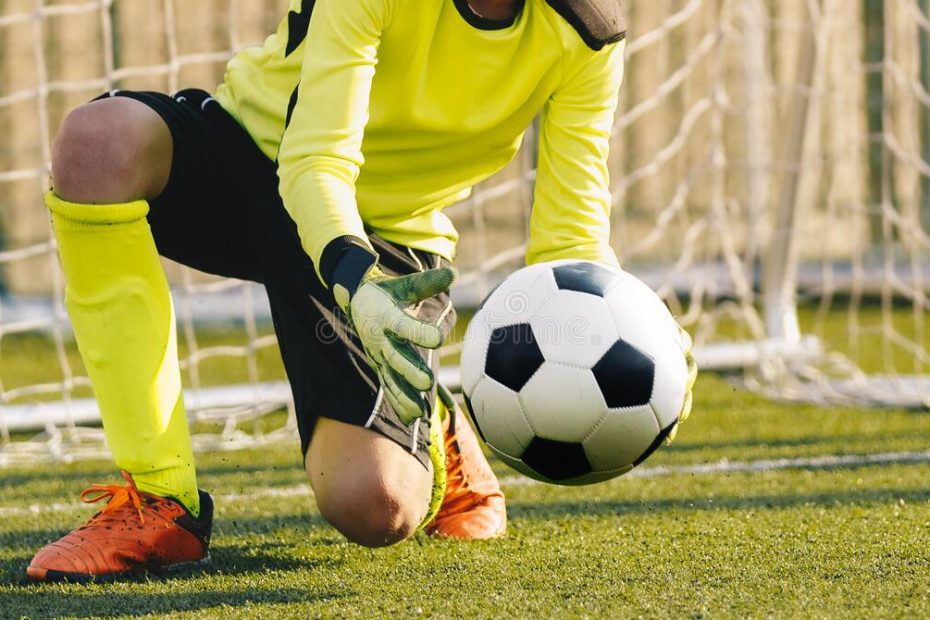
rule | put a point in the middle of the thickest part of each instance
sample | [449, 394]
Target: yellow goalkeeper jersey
[380, 113]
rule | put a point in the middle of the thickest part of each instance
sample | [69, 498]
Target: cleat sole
[39, 575]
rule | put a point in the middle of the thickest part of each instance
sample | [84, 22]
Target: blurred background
[770, 174]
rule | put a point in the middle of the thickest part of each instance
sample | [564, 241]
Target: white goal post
[770, 174]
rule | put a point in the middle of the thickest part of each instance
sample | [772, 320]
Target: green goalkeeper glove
[376, 310]
[688, 345]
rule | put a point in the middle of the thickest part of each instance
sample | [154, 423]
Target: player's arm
[571, 209]
[321, 149]
[319, 163]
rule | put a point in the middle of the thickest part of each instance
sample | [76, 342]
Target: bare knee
[368, 487]
[372, 512]
[112, 150]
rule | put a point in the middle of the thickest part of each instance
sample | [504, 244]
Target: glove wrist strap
[345, 261]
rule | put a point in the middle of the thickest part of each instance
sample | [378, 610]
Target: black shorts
[221, 213]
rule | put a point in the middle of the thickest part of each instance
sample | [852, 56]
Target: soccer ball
[574, 373]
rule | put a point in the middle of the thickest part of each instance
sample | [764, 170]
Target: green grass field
[757, 510]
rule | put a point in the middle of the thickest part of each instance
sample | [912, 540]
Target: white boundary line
[723, 466]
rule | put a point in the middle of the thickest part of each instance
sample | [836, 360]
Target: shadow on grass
[82, 602]
[24, 599]
[798, 442]
[557, 510]
[294, 523]
[249, 559]
[33, 539]
[227, 560]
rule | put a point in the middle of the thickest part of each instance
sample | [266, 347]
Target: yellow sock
[123, 317]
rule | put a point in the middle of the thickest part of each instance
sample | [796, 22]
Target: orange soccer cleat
[473, 507]
[134, 533]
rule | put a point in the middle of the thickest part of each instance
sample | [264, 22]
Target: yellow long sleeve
[321, 151]
[381, 113]
[571, 207]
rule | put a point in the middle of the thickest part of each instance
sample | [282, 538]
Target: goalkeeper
[320, 168]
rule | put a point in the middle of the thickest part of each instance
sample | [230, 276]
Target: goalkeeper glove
[687, 344]
[375, 310]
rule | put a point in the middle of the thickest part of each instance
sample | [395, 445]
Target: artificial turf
[708, 527]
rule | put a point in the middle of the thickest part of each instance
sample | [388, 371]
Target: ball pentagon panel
[626, 376]
[585, 277]
[556, 460]
[513, 355]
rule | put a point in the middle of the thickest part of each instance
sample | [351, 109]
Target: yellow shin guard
[120, 306]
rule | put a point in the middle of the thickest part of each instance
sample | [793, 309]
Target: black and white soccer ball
[574, 373]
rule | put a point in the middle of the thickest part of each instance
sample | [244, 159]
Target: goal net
[770, 175]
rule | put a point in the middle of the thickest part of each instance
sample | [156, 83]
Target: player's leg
[110, 158]
[375, 479]
[372, 476]
[388, 492]
[371, 490]
[369, 486]
[366, 480]
[111, 151]
[366, 485]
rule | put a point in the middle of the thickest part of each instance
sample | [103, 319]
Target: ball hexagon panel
[622, 437]
[518, 297]
[640, 316]
[585, 277]
[574, 328]
[556, 460]
[500, 421]
[513, 355]
[626, 376]
[638, 293]
[671, 383]
[565, 403]
[474, 353]
[515, 300]
[656, 443]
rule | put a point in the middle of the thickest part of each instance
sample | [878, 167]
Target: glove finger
[687, 343]
[404, 398]
[404, 360]
[398, 406]
[413, 330]
[692, 372]
[686, 408]
[411, 393]
[415, 287]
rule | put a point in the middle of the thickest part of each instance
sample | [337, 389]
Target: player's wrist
[346, 260]
[345, 264]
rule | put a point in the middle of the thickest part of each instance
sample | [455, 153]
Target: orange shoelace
[116, 495]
